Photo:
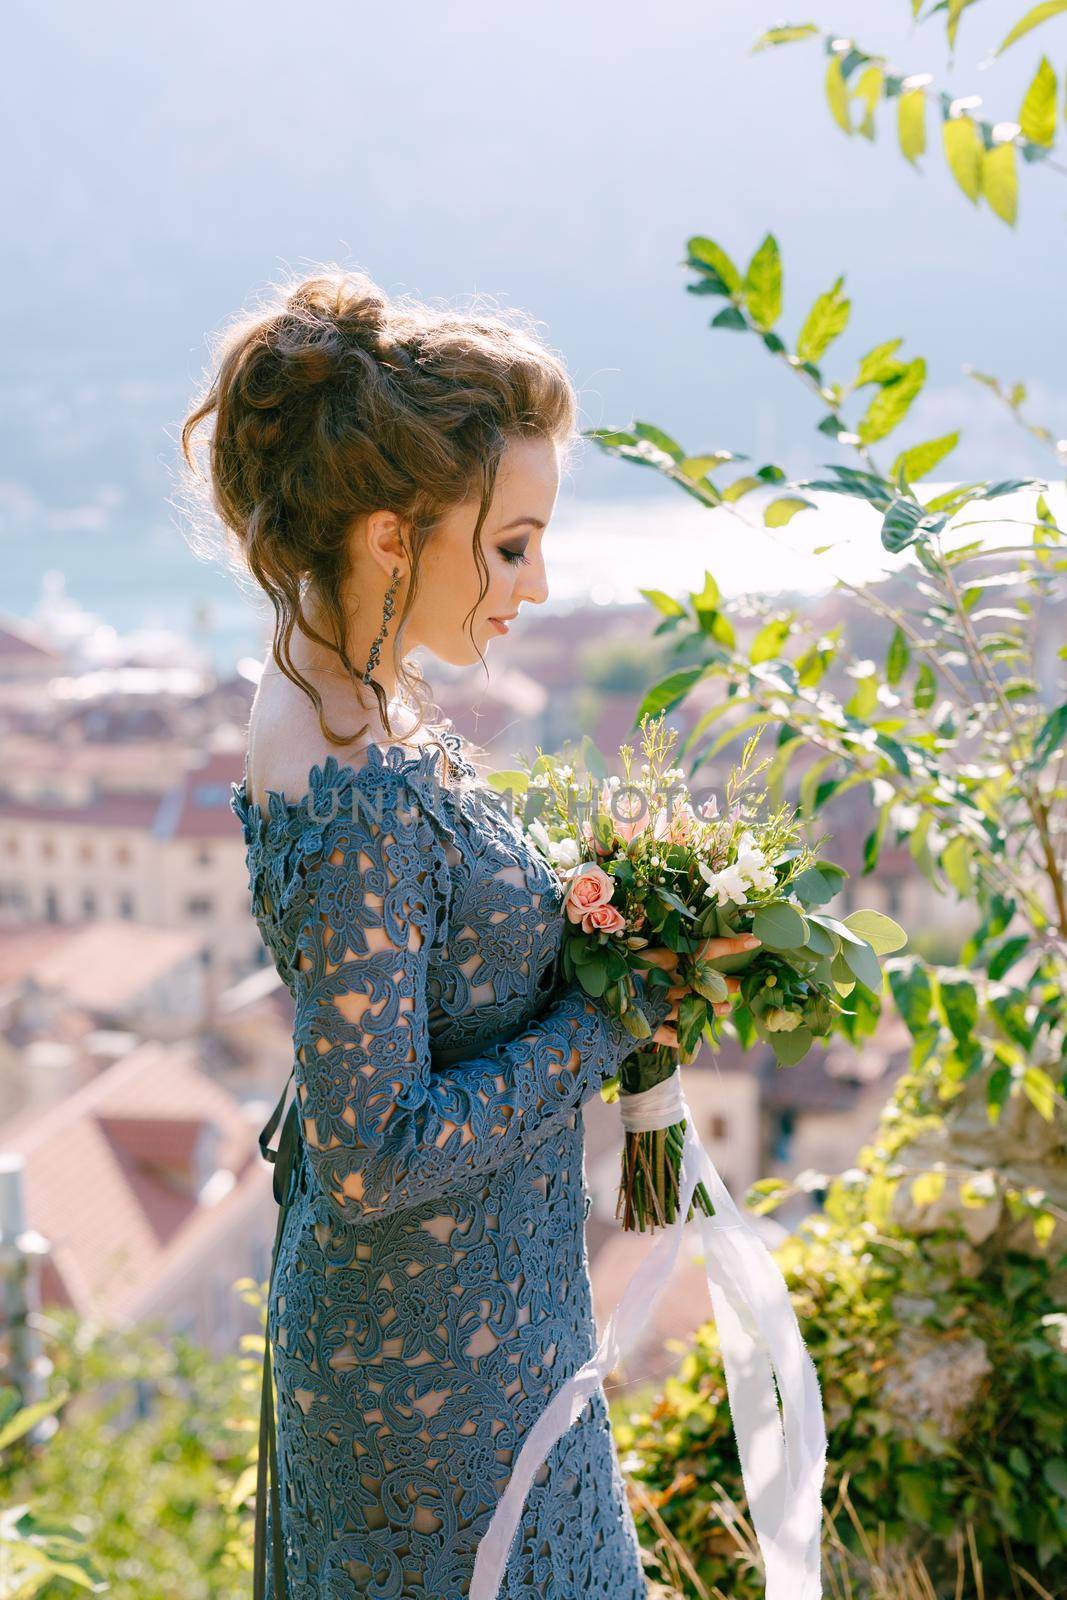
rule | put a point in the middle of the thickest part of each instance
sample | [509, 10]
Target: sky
[166, 165]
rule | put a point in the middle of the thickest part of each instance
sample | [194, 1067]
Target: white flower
[751, 863]
[727, 884]
[565, 853]
[539, 834]
[763, 878]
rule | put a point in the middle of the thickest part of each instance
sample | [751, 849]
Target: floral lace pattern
[432, 1289]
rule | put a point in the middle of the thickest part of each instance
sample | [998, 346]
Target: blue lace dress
[430, 1285]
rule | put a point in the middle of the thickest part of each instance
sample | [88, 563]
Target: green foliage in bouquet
[670, 883]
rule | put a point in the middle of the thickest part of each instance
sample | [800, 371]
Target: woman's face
[524, 497]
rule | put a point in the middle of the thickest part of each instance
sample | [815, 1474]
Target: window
[126, 906]
[718, 1125]
[88, 904]
[783, 1137]
[199, 905]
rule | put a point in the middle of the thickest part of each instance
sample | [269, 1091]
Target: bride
[387, 473]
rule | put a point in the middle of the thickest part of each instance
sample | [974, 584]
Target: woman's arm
[383, 1130]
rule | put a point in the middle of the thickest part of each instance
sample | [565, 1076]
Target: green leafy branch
[980, 154]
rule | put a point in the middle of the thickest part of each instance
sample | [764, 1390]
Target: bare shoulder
[285, 741]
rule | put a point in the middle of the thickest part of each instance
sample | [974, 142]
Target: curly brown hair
[331, 401]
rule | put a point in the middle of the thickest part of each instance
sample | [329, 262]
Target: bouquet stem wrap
[782, 1449]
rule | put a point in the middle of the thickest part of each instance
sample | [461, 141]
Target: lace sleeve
[382, 1130]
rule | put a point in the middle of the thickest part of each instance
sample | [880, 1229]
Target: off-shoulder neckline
[325, 775]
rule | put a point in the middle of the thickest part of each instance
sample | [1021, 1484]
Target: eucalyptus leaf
[780, 926]
[881, 932]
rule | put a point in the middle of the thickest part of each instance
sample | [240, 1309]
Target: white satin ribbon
[783, 1455]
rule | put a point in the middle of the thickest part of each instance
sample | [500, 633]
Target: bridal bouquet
[642, 867]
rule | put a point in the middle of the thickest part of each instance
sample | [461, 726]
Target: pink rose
[589, 888]
[603, 919]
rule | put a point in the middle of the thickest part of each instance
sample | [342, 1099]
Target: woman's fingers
[667, 1032]
[729, 945]
[720, 945]
[660, 956]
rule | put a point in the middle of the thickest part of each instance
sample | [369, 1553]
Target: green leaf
[878, 365]
[740, 487]
[697, 467]
[925, 687]
[963, 151]
[844, 982]
[1040, 1091]
[869, 88]
[863, 962]
[663, 602]
[890, 406]
[911, 123]
[502, 781]
[780, 926]
[956, 8]
[778, 512]
[913, 994]
[918, 462]
[881, 932]
[960, 1005]
[667, 694]
[661, 440]
[770, 639]
[730, 317]
[956, 860]
[1037, 119]
[593, 978]
[812, 887]
[901, 524]
[763, 284]
[1032, 19]
[1000, 180]
[1007, 954]
[837, 94]
[789, 1048]
[1050, 737]
[708, 257]
[784, 35]
[825, 322]
[896, 663]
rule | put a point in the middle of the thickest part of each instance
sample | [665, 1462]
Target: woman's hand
[660, 956]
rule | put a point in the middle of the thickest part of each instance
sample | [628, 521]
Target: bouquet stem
[649, 1188]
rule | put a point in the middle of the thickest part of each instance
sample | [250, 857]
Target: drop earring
[387, 611]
